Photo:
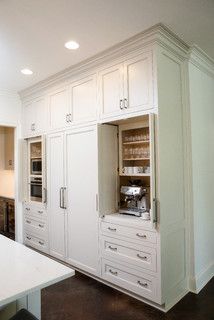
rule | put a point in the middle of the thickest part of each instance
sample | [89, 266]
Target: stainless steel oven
[36, 189]
[36, 166]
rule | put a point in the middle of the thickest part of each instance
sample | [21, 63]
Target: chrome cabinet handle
[28, 221]
[41, 225]
[112, 248]
[155, 218]
[40, 211]
[142, 284]
[70, 117]
[141, 257]
[126, 103]
[28, 209]
[67, 117]
[121, 104]
[29, 238]
[60, 198]
[41, 242]
[112, 229]
[115, 273]
[63, 198]
[141, 235]
[44, 195]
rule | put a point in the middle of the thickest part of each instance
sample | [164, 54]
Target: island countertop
[23, 271]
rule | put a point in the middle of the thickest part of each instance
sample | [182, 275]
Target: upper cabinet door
[111, 91]
[138, 83]
[83, 100]
[40, 106]
[59, 110]
[29, 116]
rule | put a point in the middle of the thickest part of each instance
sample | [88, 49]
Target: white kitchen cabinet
[35, 117]
[83, 94]
[59, 109]
[138, 85]
[81, 195]
[127, 87]
[56, 211]
[73, 196]
[111, 91]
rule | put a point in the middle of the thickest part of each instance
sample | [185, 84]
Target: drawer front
[35, 226]
[132, 233]
[38, 243]
[35, 211]
[140, 283]
[137, 255]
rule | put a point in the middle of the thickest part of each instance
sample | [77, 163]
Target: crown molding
[9, 93]
[158, 34]
[201, 60]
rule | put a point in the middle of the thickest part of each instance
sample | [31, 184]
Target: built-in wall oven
[36, 189]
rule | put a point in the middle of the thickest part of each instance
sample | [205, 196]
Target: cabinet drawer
[137, 255]
[127, 232]
[38, 243]
[139, 283]
[34, 225]
[35, 211]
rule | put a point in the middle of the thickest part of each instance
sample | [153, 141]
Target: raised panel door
[83, 100]
[82, 215]
[59, 110]
[55, 178]
[111, 91]
[138, 83]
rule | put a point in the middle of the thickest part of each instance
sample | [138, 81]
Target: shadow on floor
[83, 298]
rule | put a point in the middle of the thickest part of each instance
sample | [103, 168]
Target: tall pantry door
[55, 178]
[82, 212]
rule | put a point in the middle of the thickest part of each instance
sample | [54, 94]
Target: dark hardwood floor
[83, 298]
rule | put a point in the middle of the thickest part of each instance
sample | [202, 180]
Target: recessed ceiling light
[26, 71]
[72, 45]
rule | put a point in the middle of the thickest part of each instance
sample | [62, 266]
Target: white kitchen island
[23, 273]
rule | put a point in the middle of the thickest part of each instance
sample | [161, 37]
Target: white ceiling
[33, 32]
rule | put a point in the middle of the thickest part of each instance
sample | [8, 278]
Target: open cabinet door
[44, 180]
[153, 200]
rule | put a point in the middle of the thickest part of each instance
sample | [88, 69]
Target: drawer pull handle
[142, 284]
[112, 229]
[112, 248]
[28, 221]
[29, 238]
[115, 273]
[28, 209]
[142, 257]
[39, 211]
[41, 242]
[41, 225]
[141, 235]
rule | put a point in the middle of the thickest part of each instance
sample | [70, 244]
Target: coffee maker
[135, 201]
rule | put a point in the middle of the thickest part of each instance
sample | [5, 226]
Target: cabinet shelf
[134, 159]
[135, 175]
[136, 142]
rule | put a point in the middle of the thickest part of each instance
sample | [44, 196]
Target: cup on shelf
[128, 170]
[146, 169]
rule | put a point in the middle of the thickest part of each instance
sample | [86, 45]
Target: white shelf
[136, 142]
[135, 175]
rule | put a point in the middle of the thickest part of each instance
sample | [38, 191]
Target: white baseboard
[196, 284]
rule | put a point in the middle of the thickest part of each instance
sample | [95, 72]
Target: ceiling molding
[200, 59]
[158, 34]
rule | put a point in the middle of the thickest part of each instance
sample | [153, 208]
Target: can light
[72, 45]
[27, 72]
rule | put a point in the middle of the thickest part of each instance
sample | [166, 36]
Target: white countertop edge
[36, 288]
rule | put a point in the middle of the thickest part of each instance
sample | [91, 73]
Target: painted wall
[201, 86]
[10, 115]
